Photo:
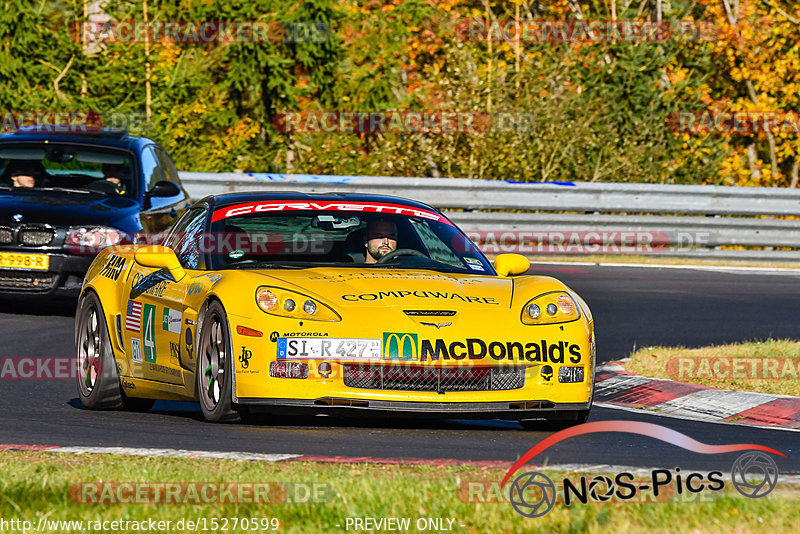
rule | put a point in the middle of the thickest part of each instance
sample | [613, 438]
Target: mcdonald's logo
[400, 346]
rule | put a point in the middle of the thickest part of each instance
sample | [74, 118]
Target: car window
[153, 172]
[63, 166]
[305, 234]
[436, 249]
[185, 236]
[167, 167]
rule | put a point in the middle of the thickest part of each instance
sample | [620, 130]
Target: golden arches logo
[400, 346]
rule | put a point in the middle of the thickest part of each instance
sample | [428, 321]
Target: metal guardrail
[529, 217]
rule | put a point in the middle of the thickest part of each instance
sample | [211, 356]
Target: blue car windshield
[65, 167]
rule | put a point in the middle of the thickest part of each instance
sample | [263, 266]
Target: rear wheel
[215, 366]
[97, 378]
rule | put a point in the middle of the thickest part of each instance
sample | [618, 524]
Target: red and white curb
[617, 388]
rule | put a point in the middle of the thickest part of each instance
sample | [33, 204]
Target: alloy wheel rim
[89, 351]
[214, 363]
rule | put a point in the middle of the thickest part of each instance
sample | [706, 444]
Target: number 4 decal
[149, 333]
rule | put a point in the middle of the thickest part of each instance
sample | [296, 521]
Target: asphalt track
[631, 306]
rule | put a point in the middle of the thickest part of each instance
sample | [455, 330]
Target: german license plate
[12, 260]
[312, 348]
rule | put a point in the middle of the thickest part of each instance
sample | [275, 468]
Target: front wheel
[215, 366]
[97, 378]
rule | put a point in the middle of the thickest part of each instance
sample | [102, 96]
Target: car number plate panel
[320, 348]
[25, 262]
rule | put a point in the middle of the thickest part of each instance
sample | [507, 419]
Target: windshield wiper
[68, 190]
[263, 265]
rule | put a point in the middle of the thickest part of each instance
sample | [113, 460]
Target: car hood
[411, 289]
[64, 209]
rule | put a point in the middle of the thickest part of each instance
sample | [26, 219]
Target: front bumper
[63, 277]
[513, 410]
[481, 365]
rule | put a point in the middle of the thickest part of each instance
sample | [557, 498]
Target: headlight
[558, 306]
[282, 302]
[91, 240]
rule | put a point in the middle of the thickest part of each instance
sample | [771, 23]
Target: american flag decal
[133, 317]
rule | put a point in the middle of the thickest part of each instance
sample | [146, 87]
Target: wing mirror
[158, 257]
[511, 264]
[164, 188]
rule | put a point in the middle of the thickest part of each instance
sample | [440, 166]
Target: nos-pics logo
[532, 494]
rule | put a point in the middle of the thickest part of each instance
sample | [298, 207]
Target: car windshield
[63, 167]
[376, 235]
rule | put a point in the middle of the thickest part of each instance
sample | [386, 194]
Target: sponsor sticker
[189, 341]
[400, 346]
[113, 267]
[133, 316]
[547, 373]
[364, 207]
[401, 294]
[136, 350]
[325, 369]
[172, 320]
[149, 333]
[244, 357]
[479, 349]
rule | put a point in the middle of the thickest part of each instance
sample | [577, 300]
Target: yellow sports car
[263, 302]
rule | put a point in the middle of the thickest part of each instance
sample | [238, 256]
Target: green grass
[35, 484]
[698, 365]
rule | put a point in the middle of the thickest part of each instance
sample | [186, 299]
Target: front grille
[27, 281]
[433, 379]
[35, 236]
[6, 235]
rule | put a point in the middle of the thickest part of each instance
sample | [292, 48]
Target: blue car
[66, 196]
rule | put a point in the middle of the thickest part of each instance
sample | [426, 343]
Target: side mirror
[511, 264]
[164, 188]
[158, 257]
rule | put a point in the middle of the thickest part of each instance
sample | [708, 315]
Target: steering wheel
[401, 252]
[103, 186]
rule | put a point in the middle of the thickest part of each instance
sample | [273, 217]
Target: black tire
[577, 417]
[215, 366]
[97, 378]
